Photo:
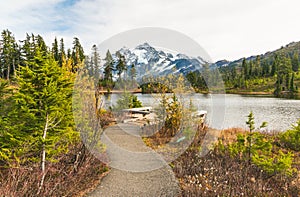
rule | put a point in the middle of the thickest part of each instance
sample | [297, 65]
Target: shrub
[276, 163]
[128, 101]
[291, 138]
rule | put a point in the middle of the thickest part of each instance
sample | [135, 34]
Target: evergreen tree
[121, 64]
[132, 72]
[69, 54]
[88, 65]
[77, 54]
[283, 69]
[292, 88]
[40, 43]
[245, 68]
[27, 50]
[8, 55]
[295, 62]
[287, 81]
[265, 68]
[44, 108]
[55, 51]
[257, 67]
[250, 69]
[273, 68]
[61, 53]
[95, 63]
[108, 69]
[8, 141]
[251, 124]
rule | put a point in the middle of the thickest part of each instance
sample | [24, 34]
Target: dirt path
[136, 169]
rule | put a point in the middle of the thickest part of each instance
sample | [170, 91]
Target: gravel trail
[136, 169]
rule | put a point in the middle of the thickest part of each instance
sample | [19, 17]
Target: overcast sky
[226, 29]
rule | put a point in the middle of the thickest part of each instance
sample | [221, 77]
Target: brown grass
[70, 176]
[220, 174]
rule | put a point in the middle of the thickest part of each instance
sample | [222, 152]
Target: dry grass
[74, 175]
[220, 174]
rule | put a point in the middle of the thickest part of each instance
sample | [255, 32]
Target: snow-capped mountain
[149, 60]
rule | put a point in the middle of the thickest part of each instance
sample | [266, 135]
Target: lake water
[230, 110]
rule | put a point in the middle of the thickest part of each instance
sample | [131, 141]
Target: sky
[226, 29]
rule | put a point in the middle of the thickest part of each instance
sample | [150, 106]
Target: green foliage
[5, 127]
[291, 138]
[121, 64]
[172, 113]
[250, 74]
[9, 55]
[262, 154]
[237, 148]
[154, 87]
[77, 54]
[128, 100]
[275, 163]
[250, 122]
[295, 62]
[108, 67]
[259, 149]
[43, 104]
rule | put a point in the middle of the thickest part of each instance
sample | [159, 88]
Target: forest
[274, 73]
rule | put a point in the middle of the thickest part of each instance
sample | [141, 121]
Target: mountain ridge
[149, 60]
[288, 48]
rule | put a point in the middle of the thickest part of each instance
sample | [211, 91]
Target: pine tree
[40, 43]
[108, 69]
[132, 72]
[77, 54]
[274, 67]
[251, 124]
[27, 50]
[265, 69]
[257, 66]
[287, 81]
[292, 88]
[88, 66]
[95, 66]
[44, 108]
[245, 68]
[121, 64]
[295, 62]
[69, 54]
[283, 69]
[55, 51]
[8, 141]
[250, 69]
[61, 53]
[8, 55]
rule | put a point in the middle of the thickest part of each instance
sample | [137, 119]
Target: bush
[128, 101]
[262, 154]
[291, 138]
[276, 163]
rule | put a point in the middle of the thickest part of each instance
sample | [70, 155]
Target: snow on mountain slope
[149, 60]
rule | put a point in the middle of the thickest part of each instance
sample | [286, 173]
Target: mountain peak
[149, 60]
[144, 46]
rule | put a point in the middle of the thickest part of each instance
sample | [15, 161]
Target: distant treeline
[277, 73]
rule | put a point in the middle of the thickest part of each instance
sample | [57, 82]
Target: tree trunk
[14, 68]
[43, 159]
[8, 70]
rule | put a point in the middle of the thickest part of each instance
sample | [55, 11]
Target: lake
[231, 110]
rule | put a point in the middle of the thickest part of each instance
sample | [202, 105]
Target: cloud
[226, 29]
